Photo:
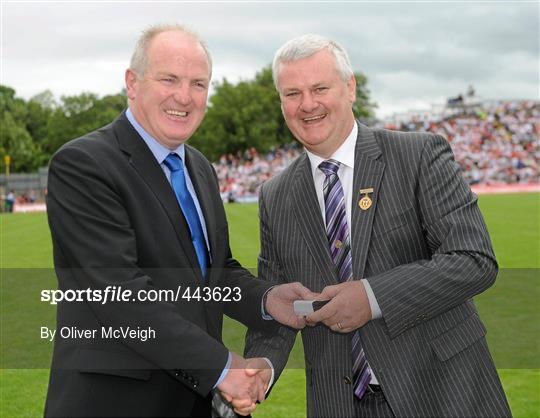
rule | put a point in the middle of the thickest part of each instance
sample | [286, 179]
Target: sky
[414, 54]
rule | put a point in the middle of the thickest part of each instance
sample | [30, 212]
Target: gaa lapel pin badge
[366, 202]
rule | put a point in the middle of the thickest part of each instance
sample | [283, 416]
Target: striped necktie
[178, 182]
[340, 249]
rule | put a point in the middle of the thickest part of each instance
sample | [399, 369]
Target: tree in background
[78, 115]
[363, 108]
[16, 141]
[240, 116]
[32, 131]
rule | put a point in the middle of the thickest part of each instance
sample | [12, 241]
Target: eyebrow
[166, 75]
[313, 86]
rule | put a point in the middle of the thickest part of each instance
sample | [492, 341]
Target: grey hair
[139, 59]
[305, 46]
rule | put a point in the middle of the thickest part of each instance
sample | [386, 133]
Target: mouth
[176, 114]
[314, 119]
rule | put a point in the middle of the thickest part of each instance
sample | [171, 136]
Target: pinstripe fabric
[373, 405]
[425, 250]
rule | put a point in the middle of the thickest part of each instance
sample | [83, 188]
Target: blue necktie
[178, 181]
[340, 249]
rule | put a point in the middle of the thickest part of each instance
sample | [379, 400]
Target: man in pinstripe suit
[400, 335]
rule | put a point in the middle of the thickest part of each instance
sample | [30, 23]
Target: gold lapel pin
[366, 202]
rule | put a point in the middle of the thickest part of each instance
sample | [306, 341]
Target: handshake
[246, 383]
[347, 309]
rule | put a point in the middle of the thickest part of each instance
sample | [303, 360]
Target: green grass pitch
[510, 309]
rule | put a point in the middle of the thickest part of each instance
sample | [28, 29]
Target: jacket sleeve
[278, 345]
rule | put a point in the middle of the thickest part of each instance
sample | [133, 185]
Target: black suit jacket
[115, 221]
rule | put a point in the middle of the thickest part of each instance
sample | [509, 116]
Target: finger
[241, 403]
[304, 292]
[330, 291]
[334, 319]
[252, 372]
[325, 312]
[261, 395]
[246, 411]
[300, 323]
[309, 322]
[337, 328]
[227, 397]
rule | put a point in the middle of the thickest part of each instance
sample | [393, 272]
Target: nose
[182, 94]
[308, 104]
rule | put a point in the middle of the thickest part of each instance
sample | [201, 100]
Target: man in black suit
[135, 211]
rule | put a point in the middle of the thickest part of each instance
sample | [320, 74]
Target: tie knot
[329, 167]
[173, 162]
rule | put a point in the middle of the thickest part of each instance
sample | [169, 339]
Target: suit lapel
[368, 172]
[308, 215]
[144, 162]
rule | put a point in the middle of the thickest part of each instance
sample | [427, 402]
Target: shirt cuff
[265, 316]
[271, 377]
[373, 304]
[226, 370]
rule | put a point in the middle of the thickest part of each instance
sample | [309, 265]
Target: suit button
[195, 383]
[347, 380]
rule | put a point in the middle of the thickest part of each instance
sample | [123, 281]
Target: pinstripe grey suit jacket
[425, 250]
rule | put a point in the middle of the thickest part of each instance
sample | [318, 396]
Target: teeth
[314, 118]
[176, 113]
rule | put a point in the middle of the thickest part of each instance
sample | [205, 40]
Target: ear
[351, 89]
[131, 83]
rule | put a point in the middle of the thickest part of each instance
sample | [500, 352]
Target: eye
[167, 80]
[321, 89]
[200, 84]
[292, 94]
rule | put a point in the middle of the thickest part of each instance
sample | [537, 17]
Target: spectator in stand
[10, 201]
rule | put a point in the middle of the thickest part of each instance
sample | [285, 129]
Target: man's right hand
[244, 384]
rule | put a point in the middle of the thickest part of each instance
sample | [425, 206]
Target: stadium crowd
[495, 143]
[241, 174]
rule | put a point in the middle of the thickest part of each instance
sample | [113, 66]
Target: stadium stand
[495, 143]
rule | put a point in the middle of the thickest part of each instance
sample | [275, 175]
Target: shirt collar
[344, 154]
[159, 151]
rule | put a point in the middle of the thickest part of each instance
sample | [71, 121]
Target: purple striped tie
[340, 249]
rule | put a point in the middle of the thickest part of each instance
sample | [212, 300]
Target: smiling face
[316, 102]
[170, 99]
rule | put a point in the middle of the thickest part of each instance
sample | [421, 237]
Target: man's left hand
[347, 310]
[280, 299]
